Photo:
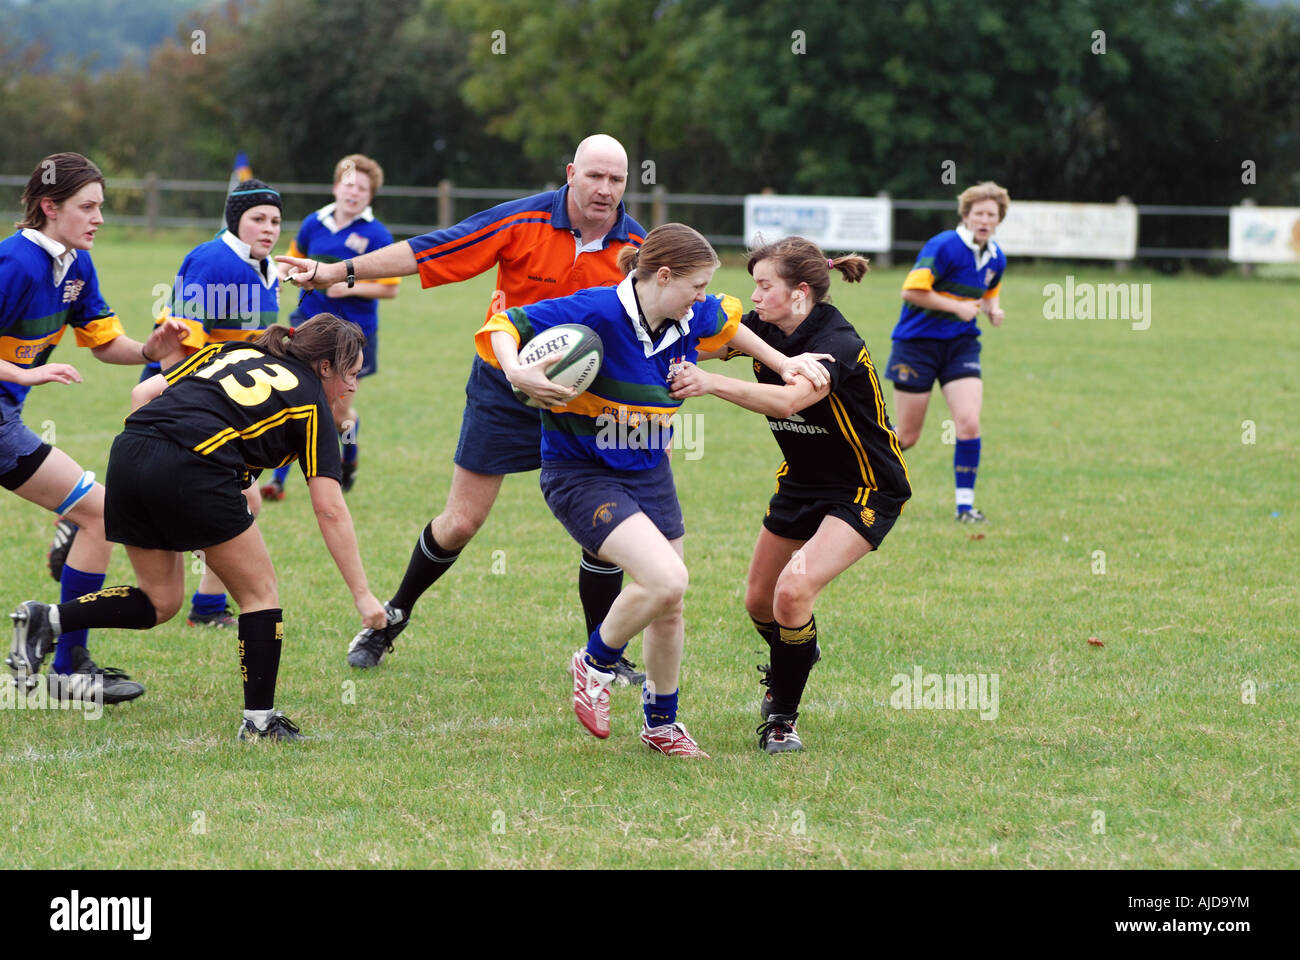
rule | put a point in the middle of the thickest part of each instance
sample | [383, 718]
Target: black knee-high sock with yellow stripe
[261, 635]
[766, 629]
[794, 652]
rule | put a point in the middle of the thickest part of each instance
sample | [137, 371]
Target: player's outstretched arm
[164, 341]
[394, 260]
[30, 377]
[341, 540]
[806, 365]
[770, 399]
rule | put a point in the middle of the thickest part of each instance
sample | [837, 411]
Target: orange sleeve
[922, 279]
[483, 338]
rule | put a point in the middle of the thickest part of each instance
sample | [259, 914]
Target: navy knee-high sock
[73, 584]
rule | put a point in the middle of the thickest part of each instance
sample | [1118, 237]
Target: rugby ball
[579, 349]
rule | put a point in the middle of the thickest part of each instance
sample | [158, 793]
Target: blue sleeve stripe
[426, 258]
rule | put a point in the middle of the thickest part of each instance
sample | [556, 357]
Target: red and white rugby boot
[591, 695]
[672, 740]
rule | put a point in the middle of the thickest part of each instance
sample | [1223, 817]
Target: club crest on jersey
[988, 277]
[358, 244]
[675, 365]
[72, 290]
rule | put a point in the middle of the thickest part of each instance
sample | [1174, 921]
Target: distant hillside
[110, 31]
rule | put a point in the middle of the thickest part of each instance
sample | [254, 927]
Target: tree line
[1163, 101]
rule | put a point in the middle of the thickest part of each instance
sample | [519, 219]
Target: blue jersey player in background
[228, 289]
[957, 274]
[337, 232]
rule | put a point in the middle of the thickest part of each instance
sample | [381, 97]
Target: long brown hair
[672, 245]
[798, 260]
[323, 337]
[58, 177]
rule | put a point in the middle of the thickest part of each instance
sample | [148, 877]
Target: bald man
[548, 245]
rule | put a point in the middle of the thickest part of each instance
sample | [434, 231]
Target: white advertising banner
[1102, 231]
[1264, 234]
[833, 223]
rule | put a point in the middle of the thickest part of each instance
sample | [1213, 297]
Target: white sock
[55, 623]
[259, 718]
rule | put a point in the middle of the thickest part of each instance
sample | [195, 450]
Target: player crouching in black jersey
[843, 481]
[202, 432]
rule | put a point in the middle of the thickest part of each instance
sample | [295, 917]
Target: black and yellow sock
[127, 608]
[261, 635]
[429, 561]
[599, 584]
[793, 656]
[766, 629]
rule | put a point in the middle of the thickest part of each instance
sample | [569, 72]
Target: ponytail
[323, 337]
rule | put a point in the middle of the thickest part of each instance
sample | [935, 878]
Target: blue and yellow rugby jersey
[222, 295]
[238, 405]
[320, 239]
[624, 419]
[950, 265]
[34, 310]
[533, 241]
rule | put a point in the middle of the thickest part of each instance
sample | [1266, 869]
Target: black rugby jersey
[843, 446]
[240, 406]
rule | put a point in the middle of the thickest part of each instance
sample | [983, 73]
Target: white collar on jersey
[580, 248]
[326, 216]
[670, 333]
[62, 256]
[244, 250]
[981, 257]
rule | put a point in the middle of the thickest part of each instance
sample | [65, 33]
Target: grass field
[462, 750]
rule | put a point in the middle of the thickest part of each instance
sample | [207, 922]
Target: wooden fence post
[444, 205]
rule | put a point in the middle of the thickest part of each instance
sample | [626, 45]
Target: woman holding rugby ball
[618, 499]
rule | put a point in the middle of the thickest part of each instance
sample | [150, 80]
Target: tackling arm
[806, 365]
[779, 401]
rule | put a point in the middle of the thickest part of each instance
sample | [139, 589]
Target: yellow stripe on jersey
[956, 296]
[194, 338]
[993, 293]
[23, 352]
[881, 419]
[922, 279]
[846, 427]
[591, 405]
[307, 412]
[732, 309]
[99, 332]
[294, 251]
[483, 337]
[188, 366]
